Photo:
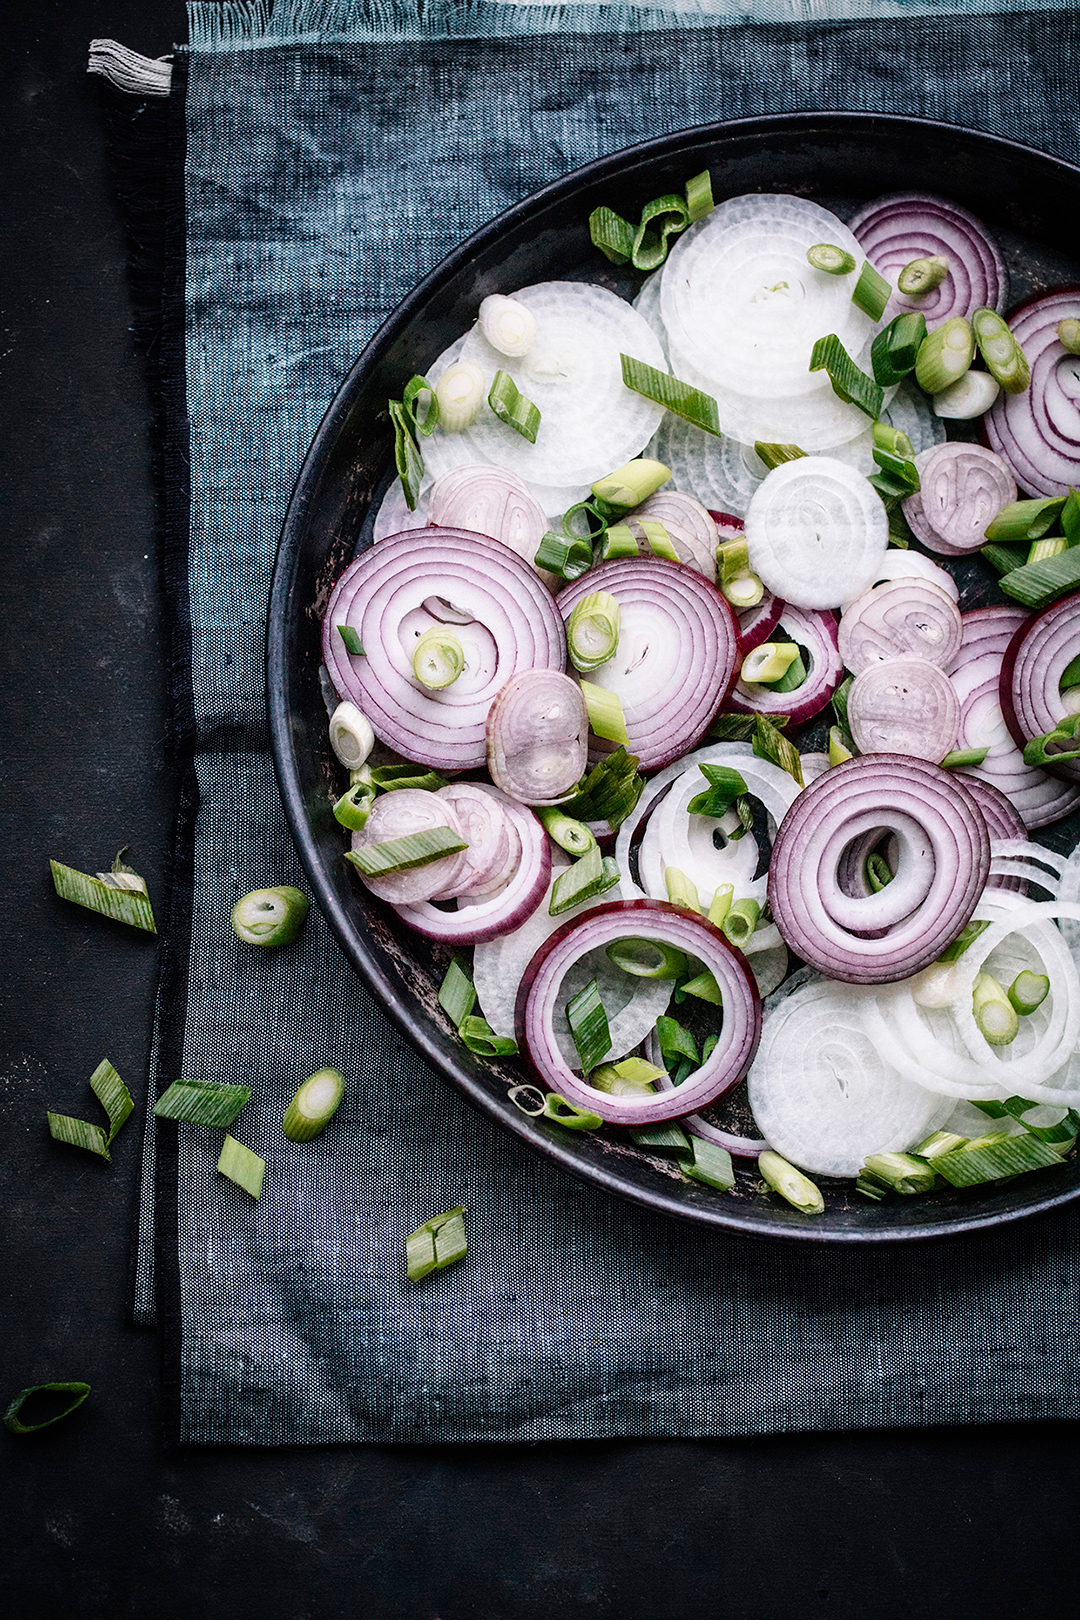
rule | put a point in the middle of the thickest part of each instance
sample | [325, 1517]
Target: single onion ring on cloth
[943, 859]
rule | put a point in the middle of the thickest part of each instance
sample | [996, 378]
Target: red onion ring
[513, 625]
[538, 1000]
[1002, 822]
[494, 841]
[815, 631]
[911, 225]
[964, 487]
[397, 815]
[1031, 671]
[475, 923]
[538, 736]
[1038, 432]
[904, 618]
[942, 865]
[904, 706]
[677, 657]
[491, 500]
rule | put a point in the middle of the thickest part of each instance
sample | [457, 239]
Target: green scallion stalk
[769, 662]
[710, 1164]
[835, 261]
[921, 276]
[870, 1188]
[967, 936]
[407, 458]
[1068, 334]
[878, 872]
[945, 355]
[1036, 585]
[839, 700]
[872, 292]
[628, 487]
[628, 1078]
[1070, 517]
[775, 455]
[423, 413]
[617, 542]
[110, 894]
[568, 1114]
[352, 643]
[1028, 991]
[605, 711]
[403, 854]
[571, 835]
[647, 958]
[593, 874]
[1063, 743]
[961, 757]
[1025, 520]
[115, 1099]
[699, 196]
[389, 778]
[995, 1157]
[1002, 558]
[477, 1035]
[740, 922]
[589, 1026]
[681, 890]
[739, 585]
[791, 1184]
[512, 408]
[650, 248]
[438, 658]
[354, 807]
[893, 486]
[900, 534]
[314, 1105]
[900, 1172]
[197, 1102]
[705, 988]
[893, 452]
[1041, 549]
[739, 727]
[675, 396]
[995, 1014]
[889, 441]
[609, 792]
[79, 1133]
[592, 631]
[241, 1165]
[567, 558]
[1005, 360]
[771, 745]
[676, 1043]
[723, 897]
[937, 1144]
[13, 1422]
[841, 746]
[848, 382]
[668, 1137]
[895, 350]
[457, 994]
[1070, 675]
[726, 787]
[270, 916]
[440, 1242]
[659, 541]
[612, 234]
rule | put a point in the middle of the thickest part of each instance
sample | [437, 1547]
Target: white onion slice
[814, 530]
[904, 706]
[394, 517]
[904, 618]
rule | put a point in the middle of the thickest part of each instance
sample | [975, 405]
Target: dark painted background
[100, 1521]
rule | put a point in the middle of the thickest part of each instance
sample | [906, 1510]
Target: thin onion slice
[909, 225]
[963, 488]
[904, 706]
[814, 530]
[910, 565]
[494, 841]
[402, 814]
[815, 633]
[490, 500]
[537, 736]
[1038, 432]
[904, 618]
[394, 517]
[1030, 687]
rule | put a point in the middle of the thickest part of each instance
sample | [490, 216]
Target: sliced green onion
[1070, 517]
[769, 662]
[705, 988]
[995, 1157]
[314, 1105]
[878, 872]
[457, 995]
[12, 1421]
[1070, 675]
[893, 452]
[354, 807]
[741, 921]
[659, 541]
[612, 234]
[666, 1138]
[995, 1014]
[870, 1188]
[738, 583]
[423, 414]
[1005, 359]
[710, 1165]
[770, 745]
[722, 899]
[1025, 520]
[241, 1165]
[678, 397]
[568, 1114]
[841, 746]
[937, 1144]
[848, 382]
[269, 916]
[79, 1133]
[105, 894]
[651, 246]
[725, 787]
[628, 487]
[895, 350]
[402, 854]
[631, 1077]
[1003, 558]
[438, 658]
[899, 1172]
[1040, 549]
[460, 392]
[407, 458]
[1068, 334]
[478, 1036]
[351, 736]
[791, 1184]
[530, 1099]
[699, 196]
[117, 1102]
[872, 292]
[922, 275]
[589, 1026]
[592, 631]
[609, 792]
[961, 757]
[647, 958]
[774, 455]
[676, 1043]
[835, 261]
[681, 890]
[739, 727]
[571, 835]
[967, 936]
[352, 641]
[1028, 991]
[1036, 585]
[1055, 746]
[591, 514]
[617, 542]
[839, 700]
[593, 874]
[438, 1243]
[197, 1102]
[512, 407]
[945, 355]
[1018, 1108]
[392, 777]
[605, 711]
[567, 558]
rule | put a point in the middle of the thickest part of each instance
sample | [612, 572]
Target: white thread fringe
[127, 70]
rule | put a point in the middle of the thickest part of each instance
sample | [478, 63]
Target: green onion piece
[722, 899]
[438, 658]
[627, 487]
[530, 1099]
[894, 452]
[893, 486]
[567, 558]
[705, 988]
[269, 916]
[354, 807]
[922, 276]
[120, 901]
[79, 1133]
[1019, 1107]
[438, 1243]
[1036, 585]
[1003, 558]
[870, 1188]
[402, 854]
[460, 392]
[423, 415]
[770, 745]
[791, 1184]
[590, 511]
[592, 631]
[710, 1165]
[617, 542]
[352, 641]
[197, 1102]
[1028, 991]
[769, 662]
[901, 1172]
[841, 746]
[725, 787]
[457, 996]
[739, 727]
[839, 700]
[568, 1114]
[872, 292]
[739, 585]
[666, 1138]
[967, 936]
[994, 1012]
[1005, 359]
[937, 1144]
[512, 407]
[605, 711]
[1041, 549]
[848, 382]
[631, 1077]
[116, 1100]
[899, 533]
[659, 541]
[573, 836]
[241, 1165]
[478, 1036]
[391, 777]
[774, 455]
[699, 196]
[676, 1043]
[589, 1026]
[609, 792]
[878, 873]
[945, 355]
[1070, 517]
[835, 261]
[1055, 746]
[407, 458]
[1068, 334]
[964, 756]
[741, 921]
[593, 874]
[689, 403]
[1070, 676]
[651, 246]
[12, 1421]
[681, 890]
[895, 350]
[647, 958]
[1025, 520]
[314, 1106]
[682, 1071]
[995, 1157]
[612, 234]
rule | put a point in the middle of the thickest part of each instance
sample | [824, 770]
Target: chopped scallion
[423, 413]
[568, 1114]
[1053, 547]
[438, 1243]
[571, 835]
[352, 641]
[438, 658]
[678, 397]
[354, 807]
[1063, 743]
[588, 1023]
[668, 1137]
[995, 1157]
[878, 872]
[241, 1165]
[899, 1172]
[402, 854]
[710, 1164]
[668, 215]
[593, 874]
[961, 757]
[769, 662]
[1036, 585]
[995, 1014]
[1028, 991]
[937, 1144]
[478, 1036]
[567, 558]
[739, 585]
[629, 486]
[699, 196]
[967, 936]
[196, 1102]
[676, 1043]
[617, 542]
[391, 777]
[945, 355]
[592, 631]
[270, 916]
[1025, 520]
[726, 785]
[871, 292]
[1068, 334]
[722, 899]
[13, 1422]
[647, 958]
[407, 458]
[771, 745]
[457, 995]
[625, 1077]
[612, 234]
[740, 922]
[704, 987]
[791, 1184]
[1003, 558]
[681, 890]
[605, 711]
[609, 792]
[775, 455]
[659, 541]
[1005, 360]
[841, 746]
[123, 902]
[511, 406]
[117, 1102]
[895, 350]
[921, 276]
[835, 261]
[848, 382]
[314, 1105]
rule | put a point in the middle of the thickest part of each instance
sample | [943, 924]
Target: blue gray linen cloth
[334, 153]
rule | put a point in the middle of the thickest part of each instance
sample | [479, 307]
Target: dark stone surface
[99, 1520]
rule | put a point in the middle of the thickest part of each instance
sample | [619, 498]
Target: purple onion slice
[1003, 823]
[904, 706]
[910, 565]
[538, 736]
[399, 815]
[540, 1002]
[911, 225]
[1031, 671]
[493, 501]
[1038, 432]
[690, 528]
[964, 487]
[494, 841]
[942, 855]
[512, 625]
[816, 634]
[904, 618]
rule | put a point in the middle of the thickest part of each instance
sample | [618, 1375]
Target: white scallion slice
[351, 736]
[242, 1166]
[508, 325]
[462, 393]
[314, 1105]
[270, 916]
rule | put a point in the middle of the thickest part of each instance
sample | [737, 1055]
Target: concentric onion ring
[963, 488]
[943, 861]
[903, 618]
[816, 530]
[677, 656]
[1031, 672]
[512, 625]
[1038, 432]
[911, 225]
[816, 634]
[904, 706]
[539, 998]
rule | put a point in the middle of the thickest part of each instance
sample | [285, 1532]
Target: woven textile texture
[332, 158]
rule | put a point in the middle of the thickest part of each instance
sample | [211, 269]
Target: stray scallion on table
[438, 1243]
[314, 1105]
[241, 1165]
[115, 1099]
[270, 916]
[198, 1102]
